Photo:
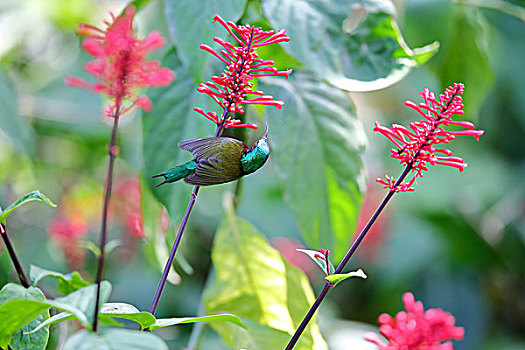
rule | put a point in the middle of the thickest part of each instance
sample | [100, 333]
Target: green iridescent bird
[217, 160]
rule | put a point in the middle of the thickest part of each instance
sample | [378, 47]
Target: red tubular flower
[231, 89]
[415, 146]
[120, 63]
[416, 328]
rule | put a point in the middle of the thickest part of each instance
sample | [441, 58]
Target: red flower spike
[120, 63]
[231, 88]
[415, 147]
[416, 328]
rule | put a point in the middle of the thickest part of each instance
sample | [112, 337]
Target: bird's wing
[205, 147]
[218, 160]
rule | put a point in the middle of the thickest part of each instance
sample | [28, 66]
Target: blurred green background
[457, 242]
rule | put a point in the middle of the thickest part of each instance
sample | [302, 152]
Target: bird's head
[263, 141]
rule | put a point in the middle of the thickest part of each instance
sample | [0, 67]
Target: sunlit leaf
[244, 263]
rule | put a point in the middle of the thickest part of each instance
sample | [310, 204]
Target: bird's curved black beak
[265, 136]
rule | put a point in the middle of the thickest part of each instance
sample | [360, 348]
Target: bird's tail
[177, 173]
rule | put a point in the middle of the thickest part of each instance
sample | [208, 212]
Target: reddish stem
[105, 206]
[18, 267]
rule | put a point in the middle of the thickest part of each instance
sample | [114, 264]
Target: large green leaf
[11, 123]
[67, 283]
[316, 145]
[114, 339]
[17, 312]
[31, 196]
[370, 55]
[171, 121]
[254, 282]
[15, 326]
[191, 24]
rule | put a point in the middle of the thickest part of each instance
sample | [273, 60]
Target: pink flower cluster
[231, 89]
[415, 146]
[120, 63]
[416, 328]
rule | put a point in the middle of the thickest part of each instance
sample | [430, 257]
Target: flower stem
[18, 267]
[178, 238]
[345, 260]
[174, 250]
[105, 206]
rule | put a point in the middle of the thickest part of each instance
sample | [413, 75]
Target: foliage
[456, 242]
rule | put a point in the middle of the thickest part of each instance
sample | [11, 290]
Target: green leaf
[351, 53]
[172, 120]
[114, 339]
[338, 277]
[128, 312]
[60, 317]
[11, 123]
[313, 254]
[191, 24]
[66, 283]
[32, 196]
[167, 322]
[244, 263]
[15, 313]
[319, 127]
[14, 324]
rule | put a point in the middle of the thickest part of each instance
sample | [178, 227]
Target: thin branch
[18, 267]
[180, 232]
[105, 206]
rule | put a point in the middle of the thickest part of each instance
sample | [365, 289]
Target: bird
[218, 160]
